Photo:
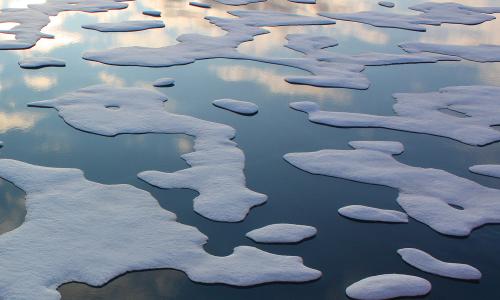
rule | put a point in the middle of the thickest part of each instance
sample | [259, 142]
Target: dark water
[344, 250]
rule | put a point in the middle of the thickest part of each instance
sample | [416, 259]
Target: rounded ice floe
[41, 62]
[125, 26]
[372, 214]
[488, 170]
[282, 233]
[164, 82]
[152, 13]
[386, 4]
[237, 106]
[425, 262]
[200, 4]
[388, 286]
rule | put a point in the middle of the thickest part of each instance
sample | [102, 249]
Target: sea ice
[200, 4]
[125, 26]
[77, 230]
[152, 13]
[478, 108]
[366, 213]
[386, 4]
[388, 286]
[237, 106]
[238, 2]
[164, 82]
[282, 233]
[454, 210]
[304, 1]
[216, 164]
[425, 262]
[488, 170]
[41, 62]
[479, 53]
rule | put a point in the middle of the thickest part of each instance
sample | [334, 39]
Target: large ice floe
[237, 106]
[388, 286]
[125, 26]
[449, 204]
[41, 62]
[282, 233]
[487, 170]
[479, 53]
[430, 14]
[31, 20]
[372, 214]
[83, 231]
[463, 113]
[216, 164]
[427, 263]
[326, 68]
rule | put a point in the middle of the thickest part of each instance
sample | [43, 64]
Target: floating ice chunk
[79, 230]
[282, 233]
[425, 262]
[479, 53]
[53, 8]
[41, 62]
[125, 26]
[216, 164]
[383, 146]
[455, 210]
[239, 2]
[488, 170]
[388, 286]
[152, 13]
[422, 113]
[164, 82]
[200, 4]
[366, 213]
[386, 4]
[304, 1]
[237, 106]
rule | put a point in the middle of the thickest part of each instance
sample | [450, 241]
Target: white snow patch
[237, 106]
[41, 62]
[388, 286]
[479, 53]
[164, 82]
[372, 214]
[125, 26]
[488, 170]
[282, 233]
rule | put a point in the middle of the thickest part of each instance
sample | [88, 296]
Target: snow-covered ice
[83, 231]
[478, 108]
[125, 26]
[372, 214]
[427, 263]
[388, 286]
[455, 210]
[479, 53]
[488, 170]
[41, 62]
[304, 1]
[164, 82]
[237, 106]
[216, 164]
[152, 13]
[282, 233]
[200, 4]
[386, 4]
[238, 2]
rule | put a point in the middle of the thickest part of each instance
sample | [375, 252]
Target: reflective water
[345, 250]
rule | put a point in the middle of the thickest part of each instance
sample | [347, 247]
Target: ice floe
[427, 263]
[125, 26]
[447, 203]
[304, 1]
[477, 107]
[372, 214]
[430, 14]
[200, 4]
[41, 62]
[386, 4]
[488, 170]
[282, 233]
[479, 53]
[237, 106]
[152, 13]
[216, 164]
[238, 2]
[164, 82]
[388, 286]
[83, 231]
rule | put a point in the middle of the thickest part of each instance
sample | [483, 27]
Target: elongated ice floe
[425, 262]
[79, 230]
[454, 210]
[479, 53]
[282, 233]
[475, 110]
[387, 4]
[152, 13]
[388, 286]
[430, 14]
[164, 82]
[41, 62]
[488, 170]
[372, 214]
[125, 26]
[237, 106]
[238, 2]
[304, 1]
[216, 164]
[200, 4]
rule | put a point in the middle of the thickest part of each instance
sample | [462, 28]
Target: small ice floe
[488, 170]
[152, 13]
[125, 26]
[84, 231]
[473, 110]
[372, 214]
[164, 82]
[456, 210]
[386, 4]
[238, 2]
[41, 62]
[427, 263]
[479, 53]
[200, 4]
[282, 233]
[237, 106]
[304, 1]
[388, 286]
